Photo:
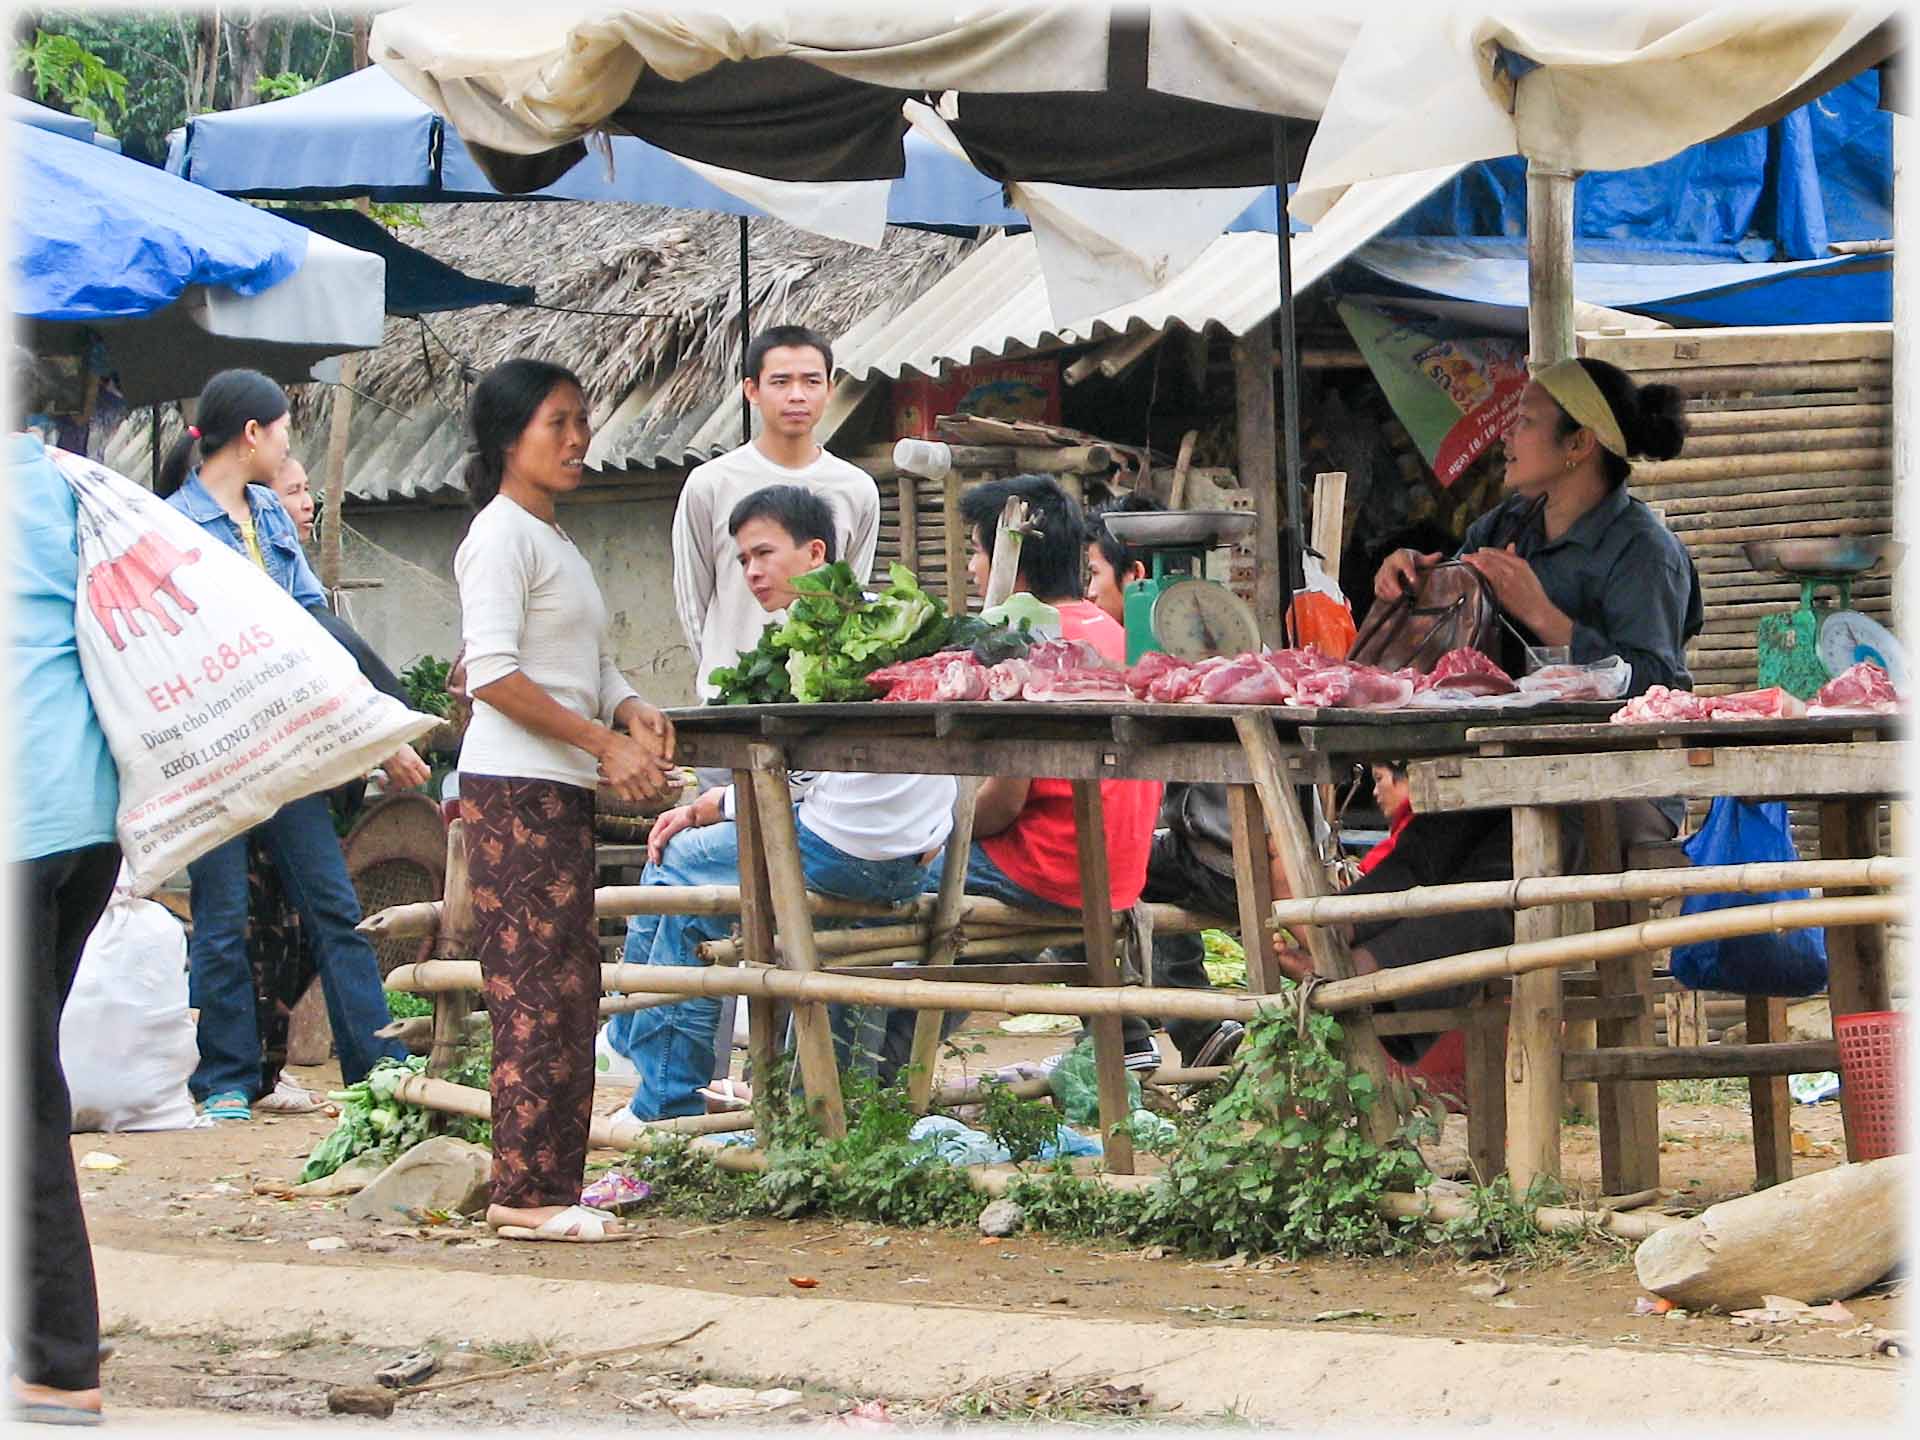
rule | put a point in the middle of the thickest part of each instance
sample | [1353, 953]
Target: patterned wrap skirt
[530, 859]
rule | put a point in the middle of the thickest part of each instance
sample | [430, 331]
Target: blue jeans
[672, 1045]
[306, 852]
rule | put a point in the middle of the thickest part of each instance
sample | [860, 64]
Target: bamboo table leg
[788, 886]
[1305, 879]
[1768, 1099]
[1103, 968]
[1487, 1089]
[756, 935]
[1533, 1029]
[1857, 978]
[454, 942]
[1253, 881]
[943, 945]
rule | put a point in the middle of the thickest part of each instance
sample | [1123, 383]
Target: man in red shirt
[1024, 847]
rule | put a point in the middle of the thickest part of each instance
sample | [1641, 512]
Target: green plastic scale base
[1170, 567]
[1788, 644]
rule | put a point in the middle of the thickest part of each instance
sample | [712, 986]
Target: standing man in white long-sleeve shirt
[862, 837]
[788, 379]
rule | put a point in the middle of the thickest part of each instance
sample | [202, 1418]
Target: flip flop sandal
[725, 1095]
[44, 1413]
[285, 1099]
[228, 1105]
[575, 1225]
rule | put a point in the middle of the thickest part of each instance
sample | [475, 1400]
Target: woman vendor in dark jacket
[1588, 567]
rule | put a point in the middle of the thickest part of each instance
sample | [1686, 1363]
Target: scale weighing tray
[1839, 556]
[1153, 529]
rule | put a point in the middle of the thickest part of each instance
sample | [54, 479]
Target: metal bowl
[1181, 527]
[1835, 555]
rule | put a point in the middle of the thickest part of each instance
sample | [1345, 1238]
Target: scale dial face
[1848, 637]
[1193, 619]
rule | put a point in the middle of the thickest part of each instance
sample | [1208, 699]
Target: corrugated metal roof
[994, 303]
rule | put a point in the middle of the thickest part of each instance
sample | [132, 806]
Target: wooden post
[1533, 1029]
[1259, 476]
[339, 430]
[454, 942]
[787, 886]
[955, 531]
[1305, 877]
[1857, 978]
[1771, 1105]
[1253, 883]
[764, 1025]
[944, 942]
[1628, 1113]
[1549, 266]
[1103, 968]
[1487, 1089]
[1330, 518]
[909, 488]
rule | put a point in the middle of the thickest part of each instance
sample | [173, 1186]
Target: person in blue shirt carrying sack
[220, 475]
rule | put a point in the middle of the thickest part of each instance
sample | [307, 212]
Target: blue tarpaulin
[45, 117]
[98, 236]
[1822, 173]
[1838, 289]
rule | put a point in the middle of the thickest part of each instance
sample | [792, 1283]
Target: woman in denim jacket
[220, 476]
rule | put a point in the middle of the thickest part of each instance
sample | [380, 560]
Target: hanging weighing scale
[1801, 649]
[1175, 609]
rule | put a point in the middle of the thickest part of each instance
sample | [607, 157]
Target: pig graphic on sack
[134, 581]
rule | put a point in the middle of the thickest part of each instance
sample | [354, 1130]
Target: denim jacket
[272, 526]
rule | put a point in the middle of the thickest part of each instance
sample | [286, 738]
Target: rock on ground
[1002, 1217]
[441, 1174]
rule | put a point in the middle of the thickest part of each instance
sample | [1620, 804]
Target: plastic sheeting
[101, 237]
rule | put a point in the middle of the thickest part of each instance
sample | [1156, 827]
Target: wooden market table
[1849, 763]
[1260, 753]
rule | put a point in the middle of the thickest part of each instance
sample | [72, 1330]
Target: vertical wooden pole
[1857, 978]
[756, 935]
[1487, 1090]
[1259, 476]
[1629, 1111]
[1305, 879]
[1549, 265]
[909, 489]
[1771, 1105]
[1253, 883]
[1103, 968]
[956, 541]
[943, 943]
[339, 432]
[1533, 1029]
[788, 886]
[454, 942]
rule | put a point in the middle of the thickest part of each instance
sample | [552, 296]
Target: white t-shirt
[717, 610]
[529, 602]
[875, 817]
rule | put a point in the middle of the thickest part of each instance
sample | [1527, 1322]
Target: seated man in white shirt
[862, 837]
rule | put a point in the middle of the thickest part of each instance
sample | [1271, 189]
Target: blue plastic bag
[1791, 962]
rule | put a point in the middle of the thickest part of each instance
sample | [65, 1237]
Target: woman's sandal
[726, 1095]
[227, 1105]
[575, 1225]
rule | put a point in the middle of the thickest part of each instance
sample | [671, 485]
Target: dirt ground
[191, 1193]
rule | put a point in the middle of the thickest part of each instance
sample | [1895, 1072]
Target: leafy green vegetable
[835, 635]
[373, 1121]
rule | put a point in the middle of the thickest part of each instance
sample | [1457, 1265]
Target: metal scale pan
[1183, 529]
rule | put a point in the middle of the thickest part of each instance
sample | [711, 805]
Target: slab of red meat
[1354, 686]
[909, 680]
[1245, 680]
[1008, 680]
[1058, 685]
[1467, 669]
[1065, 655]
[1660, 706]
[1773, 703]
[1148, 668]
[1183, 685]
[1863, 687]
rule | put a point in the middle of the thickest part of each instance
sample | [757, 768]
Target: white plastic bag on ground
[221, 698]
[126, 1041]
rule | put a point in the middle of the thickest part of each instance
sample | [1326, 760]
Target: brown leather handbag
[1453, 606]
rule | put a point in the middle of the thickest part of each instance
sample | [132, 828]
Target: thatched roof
[658, 359]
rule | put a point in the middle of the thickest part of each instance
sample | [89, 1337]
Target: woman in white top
[552, 718]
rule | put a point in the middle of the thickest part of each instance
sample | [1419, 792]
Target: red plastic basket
[1873, 1047]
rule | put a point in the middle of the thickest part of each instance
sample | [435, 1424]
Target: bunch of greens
[425, 682]
[834, 636]
[372, 1120]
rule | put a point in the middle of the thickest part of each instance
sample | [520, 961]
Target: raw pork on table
[1860, 689]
